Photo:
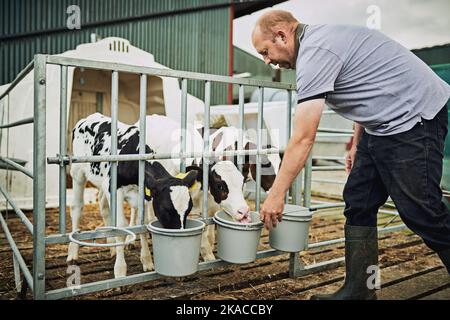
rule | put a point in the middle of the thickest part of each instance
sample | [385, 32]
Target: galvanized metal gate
[36, 277]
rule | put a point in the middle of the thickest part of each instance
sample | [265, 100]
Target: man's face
[277, 51]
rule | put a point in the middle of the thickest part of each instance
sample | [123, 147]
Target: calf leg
[106, 215]
[120, 266]
[206, 247]
[79, 182]
[146, 256]
[133, 219]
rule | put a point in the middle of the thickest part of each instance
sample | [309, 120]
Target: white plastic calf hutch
[88, 91]
[47, 88]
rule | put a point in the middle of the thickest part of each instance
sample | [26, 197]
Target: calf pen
[36, 278]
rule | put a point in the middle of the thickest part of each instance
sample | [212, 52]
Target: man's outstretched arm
[306, 120]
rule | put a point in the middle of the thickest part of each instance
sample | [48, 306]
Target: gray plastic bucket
[237, 242]
[291, 234]
[176, 252]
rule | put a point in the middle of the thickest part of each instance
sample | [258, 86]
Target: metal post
[307, 182]
[39, 172]
[241, 127]
[114, 116]
[288, 127]
[258, 146]
[62, 150]
[142, 136]
[183, 122]
[206, 149]
[17, 279]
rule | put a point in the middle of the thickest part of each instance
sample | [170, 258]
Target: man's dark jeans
[408, 167]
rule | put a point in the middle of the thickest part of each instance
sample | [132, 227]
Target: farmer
[399, 108]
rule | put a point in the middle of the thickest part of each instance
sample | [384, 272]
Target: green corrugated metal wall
[443, 71]
[246, 62]
[434, 55]
[197, 41]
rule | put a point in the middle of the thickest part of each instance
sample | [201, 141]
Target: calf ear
[216, 141]
[198, 170]
[156, 169]
[189, 179]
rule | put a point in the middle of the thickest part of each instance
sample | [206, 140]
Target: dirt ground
[409, 270]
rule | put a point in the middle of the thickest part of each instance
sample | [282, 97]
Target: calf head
[225, 185]
[170, 195]
[269, 163]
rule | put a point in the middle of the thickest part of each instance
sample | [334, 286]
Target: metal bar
[322, 266]
[98, 65]
[17, 280]
[288, 128]
[137, 278]
[332, 135]
[17, 123]
[20, 214]
[332, 130]
[328, 206]
[241, 159]
[134, 157]
[327, 158]
[328, 168]
[17, 166]
[259, 128]
[19, 77]
[142, 138]
[183, 122]
[341, 240]
[23, 266]
[63, 150]
[39, 181]
[307, 183]
[329, 181]
[205, 160]
[114, 116]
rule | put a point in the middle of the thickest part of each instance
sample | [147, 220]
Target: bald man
[399, 108]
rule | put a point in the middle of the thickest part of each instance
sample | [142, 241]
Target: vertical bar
[288, 127]
[241, 126]
[113, 177]
[307, 182]
[206, 149]
[296, 266]
[258, 147]
[17, 280]
[39, 180]
[62, 150]
[142, 135]
[183, 122]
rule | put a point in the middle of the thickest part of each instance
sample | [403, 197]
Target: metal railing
[36, 278]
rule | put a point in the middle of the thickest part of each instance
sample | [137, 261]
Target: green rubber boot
[361, 252]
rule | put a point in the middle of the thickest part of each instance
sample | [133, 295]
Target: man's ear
[282, 35]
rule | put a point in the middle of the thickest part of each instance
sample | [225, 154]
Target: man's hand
[271, 211]
[350, 159]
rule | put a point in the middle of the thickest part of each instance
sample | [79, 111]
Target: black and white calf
[225, 189]
[170, 198]
[226, 138]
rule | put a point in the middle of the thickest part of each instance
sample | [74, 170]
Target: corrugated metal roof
[194, 41]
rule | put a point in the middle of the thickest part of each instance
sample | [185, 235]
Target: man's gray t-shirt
[368, 77]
